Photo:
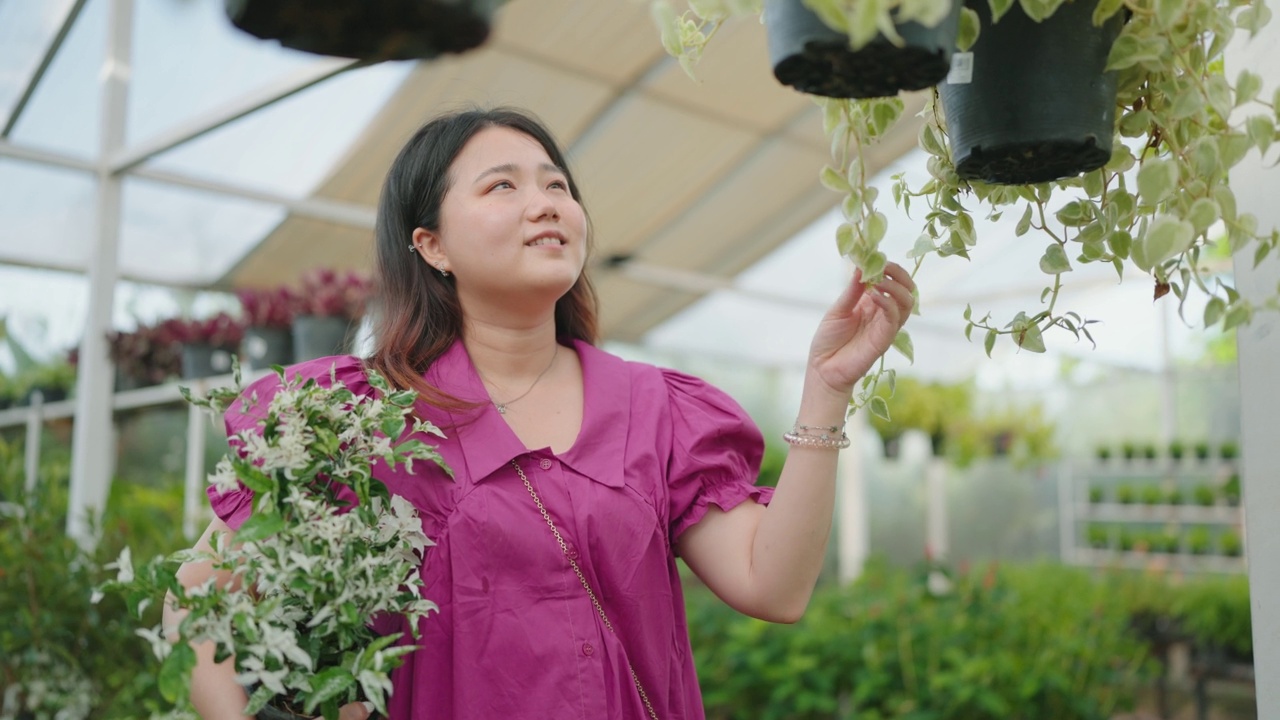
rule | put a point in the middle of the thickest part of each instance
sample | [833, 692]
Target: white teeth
[545, 241]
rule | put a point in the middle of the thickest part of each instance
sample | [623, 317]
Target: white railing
[35, 415]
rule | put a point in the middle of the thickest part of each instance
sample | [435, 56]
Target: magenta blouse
[516, 636]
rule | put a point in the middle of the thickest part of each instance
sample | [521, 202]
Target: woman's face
[508, 225]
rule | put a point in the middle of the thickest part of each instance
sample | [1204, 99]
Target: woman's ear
[428, 246]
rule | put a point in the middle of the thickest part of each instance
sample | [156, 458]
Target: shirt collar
[488, 443]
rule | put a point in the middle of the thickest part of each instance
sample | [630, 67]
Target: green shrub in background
[62, 656]
[1044, 642]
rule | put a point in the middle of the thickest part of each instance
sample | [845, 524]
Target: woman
[579, 477]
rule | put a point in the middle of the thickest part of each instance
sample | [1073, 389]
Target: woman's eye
[500, 183]
[560, 184]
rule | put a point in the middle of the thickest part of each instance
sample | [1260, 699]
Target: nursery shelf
[1159, 468]
[1118, 512]
[1163, 561]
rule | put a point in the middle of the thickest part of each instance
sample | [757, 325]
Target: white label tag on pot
[961, 69]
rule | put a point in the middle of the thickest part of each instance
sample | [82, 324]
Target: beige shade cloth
[705, 176]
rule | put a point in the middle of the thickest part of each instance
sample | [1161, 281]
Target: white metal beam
[54, 45]
[45, 157]
[123, 159]
[92, 451]
[318, 208]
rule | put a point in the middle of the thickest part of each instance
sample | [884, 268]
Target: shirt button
[545, 464]
[573, 553]
[588, 650]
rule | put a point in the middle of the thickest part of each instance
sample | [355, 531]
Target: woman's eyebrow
[512, 167]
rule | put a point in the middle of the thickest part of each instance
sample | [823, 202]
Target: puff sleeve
[247, 412]
[715, 452]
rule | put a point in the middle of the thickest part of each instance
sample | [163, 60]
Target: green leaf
[1075, 213]
[989, 342]
[1105, 9]
[1237, 314]
[664, 17]
[1168, 11]
[1024, 224]
[1262, 131]
[844, 239]
[1029, 338]
[877, 226]
[1203, 213]
[1248, 85]
[1213, 311]
[902, 343]
[258, 700]
[1219, 95]
[328, 685]
[174, 679]
[924, 245]
[879, 408]
[1129, 50]
[969, 29]
[874, 266]
[1054, 261]
[1156, 180]
[1166, 238]
[862, 24]
[260, 525]
[834, 180]
[999, 8]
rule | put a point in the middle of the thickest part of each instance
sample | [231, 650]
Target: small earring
[412, 249]
[443, 272]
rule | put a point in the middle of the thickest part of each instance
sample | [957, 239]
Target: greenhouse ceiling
[246, 164]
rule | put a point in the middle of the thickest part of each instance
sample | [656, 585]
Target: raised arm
[762, 561]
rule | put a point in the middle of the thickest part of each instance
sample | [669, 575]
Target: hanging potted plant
[1228, 450]
[1199, 541]
[1099, 537]
[1202, 450]
[1231, 490]
[1205, 496]
[208, 345]
[822, 48]
[1230, 544]
[268, 318]
[373, 30]
[1176, 450]
[323, 652]
[330, 305]
[1149, 190]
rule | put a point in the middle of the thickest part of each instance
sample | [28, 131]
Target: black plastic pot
[316, 337]
[264, 347]
[892, 447]
[368, 29]
[1038, 106]
[201, 361]
[812, 58]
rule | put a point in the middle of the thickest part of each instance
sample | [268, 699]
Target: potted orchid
[268, 320]
[314, 567]
[329, 307]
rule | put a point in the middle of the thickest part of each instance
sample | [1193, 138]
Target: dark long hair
[418, 316]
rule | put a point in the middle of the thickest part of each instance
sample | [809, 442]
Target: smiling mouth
[545, 240]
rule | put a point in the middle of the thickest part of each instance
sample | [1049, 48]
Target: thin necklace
[502, 406]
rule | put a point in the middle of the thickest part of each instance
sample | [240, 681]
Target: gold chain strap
[564, 548]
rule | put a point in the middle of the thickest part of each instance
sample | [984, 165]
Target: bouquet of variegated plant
[311, 572]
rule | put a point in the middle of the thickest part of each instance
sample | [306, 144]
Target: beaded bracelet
[817, 436]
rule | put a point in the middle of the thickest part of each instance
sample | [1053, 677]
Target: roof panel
[734, 82]
[289, 147]
[174, 82]
[590, 37]
[48, 215]
[64, 113]
[179, 236]
[26, 29]
[647, 163]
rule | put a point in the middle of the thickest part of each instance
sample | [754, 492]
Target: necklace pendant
[502, 409]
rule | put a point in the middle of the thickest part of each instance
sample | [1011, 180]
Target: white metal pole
[35, 424]
[854, 531]
[92, 449]
[935, 478]
[193, 495]
[1255, 183]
